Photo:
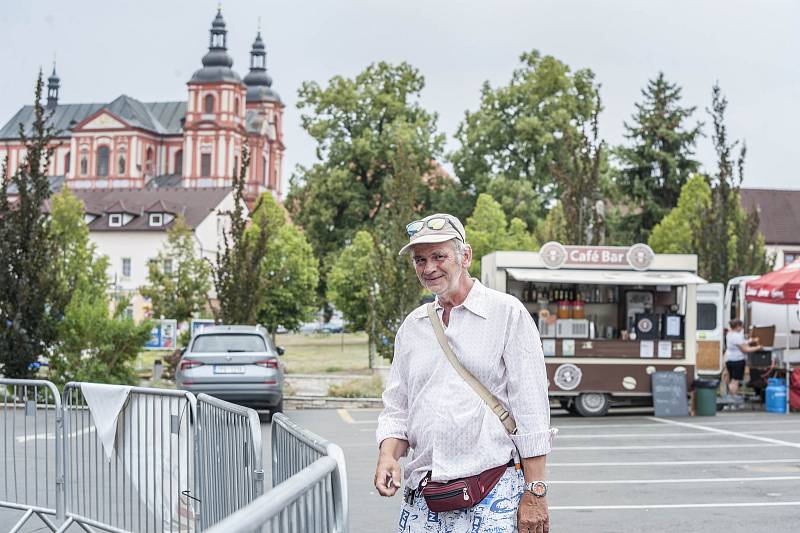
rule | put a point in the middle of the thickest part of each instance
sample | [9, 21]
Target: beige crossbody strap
[493, 403]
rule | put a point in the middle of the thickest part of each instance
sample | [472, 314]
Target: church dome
[217, 63]
[258, 82]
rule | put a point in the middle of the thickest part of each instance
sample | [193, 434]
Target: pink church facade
[128, 144]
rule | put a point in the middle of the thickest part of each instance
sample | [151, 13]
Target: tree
[659, 159]
[30, 304]
[239, 269]
[289, 268]
[519, 129]
[355, 123]
[517, 198]
[351, 280]
[178, 279]
[731, 244]
[577, 172]
[680, 231]
[553, 227]
[92, 344]
[487, 231]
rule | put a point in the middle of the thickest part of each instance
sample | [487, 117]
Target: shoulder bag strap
[488, 398]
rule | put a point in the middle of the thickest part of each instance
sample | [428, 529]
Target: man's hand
[532, 516]
[387, 475]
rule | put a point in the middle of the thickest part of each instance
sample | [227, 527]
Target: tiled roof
[778, 213]
[195, 205]
[159, 117]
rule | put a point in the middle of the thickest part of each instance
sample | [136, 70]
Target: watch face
[538, 488]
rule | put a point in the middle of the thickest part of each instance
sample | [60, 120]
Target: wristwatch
[537, 488]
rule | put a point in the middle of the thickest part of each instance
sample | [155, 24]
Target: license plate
[228, 369]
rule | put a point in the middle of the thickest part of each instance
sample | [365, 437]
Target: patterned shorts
[496, 513]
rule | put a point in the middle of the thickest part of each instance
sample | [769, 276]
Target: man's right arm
[387, 473]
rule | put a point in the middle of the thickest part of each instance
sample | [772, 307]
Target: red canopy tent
[779, 287]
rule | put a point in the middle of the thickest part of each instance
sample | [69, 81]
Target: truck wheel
[592, 404]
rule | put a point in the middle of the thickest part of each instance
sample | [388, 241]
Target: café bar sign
[555, 255]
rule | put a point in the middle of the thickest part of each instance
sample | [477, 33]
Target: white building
[778, 220]
[130, 226]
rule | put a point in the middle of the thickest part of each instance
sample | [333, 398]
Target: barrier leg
[21, 521]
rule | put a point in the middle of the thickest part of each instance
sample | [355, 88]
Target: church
[197, 143]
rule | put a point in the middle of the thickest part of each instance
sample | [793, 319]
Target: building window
[236, 165]
[208, 104]
[205, 165]
[179, 162]
[121, 164]
[102, 161]
[128, 313]
[790, 257]
[84, 162]
[167, 266]
[264, 162]
[115, 220]
[67, 161]
[156, 219]
[236, 107]
[148, 163]
[126, 267]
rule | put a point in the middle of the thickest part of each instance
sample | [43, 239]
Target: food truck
[610, 316]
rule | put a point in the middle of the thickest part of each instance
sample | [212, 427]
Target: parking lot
[625, 473]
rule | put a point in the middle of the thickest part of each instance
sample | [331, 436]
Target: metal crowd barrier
[231, 467]
[32, 462]
[176, 464]
[309, 491]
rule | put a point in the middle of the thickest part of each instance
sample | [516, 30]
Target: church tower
[265, 118]
[53, 84]
[214, 128]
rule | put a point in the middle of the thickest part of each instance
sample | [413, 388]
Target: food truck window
[706, 316]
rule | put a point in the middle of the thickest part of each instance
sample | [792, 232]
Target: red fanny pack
[461, 493]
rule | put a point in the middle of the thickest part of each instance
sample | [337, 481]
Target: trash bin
[705, 397]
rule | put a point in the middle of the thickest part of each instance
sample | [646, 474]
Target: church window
[264, 162]
[236, 107]
[179, 162]
[84, 162]
[66, 163]
[102, 161]
[236, 165]
[205, 165]
[121, 163]
[148, 164]
[208, 104]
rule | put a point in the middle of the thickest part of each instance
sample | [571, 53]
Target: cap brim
[425, 239]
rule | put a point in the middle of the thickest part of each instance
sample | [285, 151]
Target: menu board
[669, 393]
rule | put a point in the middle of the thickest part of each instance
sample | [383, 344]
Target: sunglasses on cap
[435, 224]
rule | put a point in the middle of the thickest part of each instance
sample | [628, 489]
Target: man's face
[438, 268]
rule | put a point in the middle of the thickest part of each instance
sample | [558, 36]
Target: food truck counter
[652, 349]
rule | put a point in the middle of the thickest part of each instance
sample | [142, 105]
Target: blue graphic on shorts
[433, 516]
[403, 519]
[476, 524]
[503, 505]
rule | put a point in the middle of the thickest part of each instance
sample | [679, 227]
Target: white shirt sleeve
[527, 387]
[393, 420]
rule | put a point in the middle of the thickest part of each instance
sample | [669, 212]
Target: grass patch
[358, 388]
[325, 353]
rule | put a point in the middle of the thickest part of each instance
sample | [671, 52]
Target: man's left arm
[530, 406]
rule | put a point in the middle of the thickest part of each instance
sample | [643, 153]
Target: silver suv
[238, 364]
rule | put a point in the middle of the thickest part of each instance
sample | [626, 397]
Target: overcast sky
[148, 49]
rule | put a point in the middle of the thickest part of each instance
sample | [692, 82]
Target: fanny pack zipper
[448, 494]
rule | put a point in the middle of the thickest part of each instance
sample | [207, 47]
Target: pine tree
[659, 160]
[30, 303]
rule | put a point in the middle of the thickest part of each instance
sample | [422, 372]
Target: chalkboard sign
[669, 393]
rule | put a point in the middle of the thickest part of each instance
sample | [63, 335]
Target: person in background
[735, 358]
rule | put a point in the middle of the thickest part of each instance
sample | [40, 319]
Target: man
[429, 407]
[735, 358]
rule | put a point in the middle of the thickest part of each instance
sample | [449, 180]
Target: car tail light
[186, 364]
[267, 363]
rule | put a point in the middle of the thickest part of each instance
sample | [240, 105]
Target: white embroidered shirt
[453, 433]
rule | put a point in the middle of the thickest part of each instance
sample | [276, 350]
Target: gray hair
[459, 248]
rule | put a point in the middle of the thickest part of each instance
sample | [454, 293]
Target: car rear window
[229, 343]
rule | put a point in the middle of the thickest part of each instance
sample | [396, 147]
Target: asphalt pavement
[735, 472]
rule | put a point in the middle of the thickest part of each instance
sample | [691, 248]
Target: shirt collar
[475, 302]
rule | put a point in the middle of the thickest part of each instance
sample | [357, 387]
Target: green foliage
[519, 129]
[92, 344]
[659, 160]
[553, 227]
[487, 231]
[517, 198]
[30, 299]
[358, 124]
[178, 278]
[239, 268]
[289, 268]
[679, 232]
[350, 279]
